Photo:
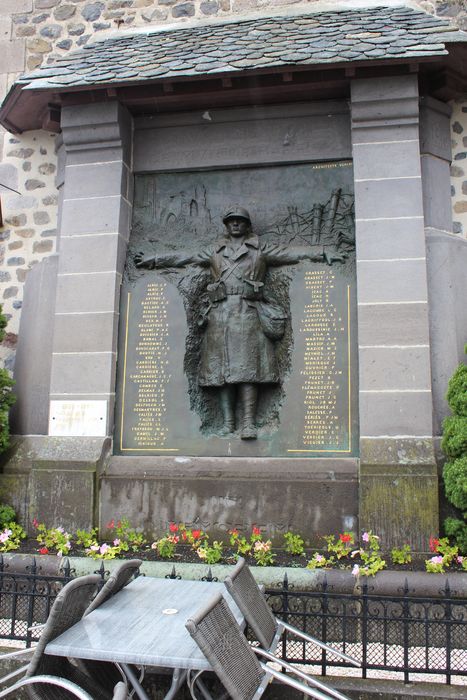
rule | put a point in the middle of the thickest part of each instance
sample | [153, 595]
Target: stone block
[54, 478]
[29, 415]
[96, 180]
[101, 126]
[396, 413]
[96, 215]
[85, 293]
[376, 199]
[76, 373]
[390, 238]
[435, 132]
[393, 324]
[381, 89]
[385, 160]
[63, 496]
[14, 490]
[13, 55]
[270, 135]
[369, 133]
[5, 28]
[437, 192]
[389, 281]
[394, 368]
[400, 503]
[446, 264]
[8, 176]
[397, 451]
[85, 332]
[16, 6]
[92, 253]
[218, 494]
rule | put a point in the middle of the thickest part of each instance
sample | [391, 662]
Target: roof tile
[306, 39]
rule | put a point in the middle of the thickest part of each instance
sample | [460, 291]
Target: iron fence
[26, 598]
[405, 633]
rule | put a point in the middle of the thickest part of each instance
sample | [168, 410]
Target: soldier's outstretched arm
[166, 260]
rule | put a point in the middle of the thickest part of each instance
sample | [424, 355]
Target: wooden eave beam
[27, 109]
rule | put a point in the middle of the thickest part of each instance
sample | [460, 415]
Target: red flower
[173, 527]
[43, 550]
[233, 532]
[35, 522]
[119, 524]
[345, 538]
[196, 534]
[256, 530]
[111, 524]
[184, 536]
[434, 544]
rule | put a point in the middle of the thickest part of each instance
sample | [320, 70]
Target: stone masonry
[33, 32]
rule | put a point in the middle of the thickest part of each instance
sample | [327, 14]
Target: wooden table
[144, 625]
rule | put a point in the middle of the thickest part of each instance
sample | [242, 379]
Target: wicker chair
[224, 645]
[68, 608]
[108, 673]
[116, 581]
[267, 629]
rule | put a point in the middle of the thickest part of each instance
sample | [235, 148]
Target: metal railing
[405, 633]
[402, 633]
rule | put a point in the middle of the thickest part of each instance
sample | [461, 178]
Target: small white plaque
[170, 611]
[78, 418]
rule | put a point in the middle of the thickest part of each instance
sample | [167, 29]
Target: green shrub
[7, 515]
[7, 399]
[457, 391]
[457, 531]
[454, 442]
[455, 482]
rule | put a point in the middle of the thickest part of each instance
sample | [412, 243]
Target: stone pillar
[94, 231]
[446, 255]
[398, 484]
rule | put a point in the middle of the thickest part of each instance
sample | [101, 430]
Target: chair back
[246, 593]
[68, 608]
[224, 645]
[117, 580]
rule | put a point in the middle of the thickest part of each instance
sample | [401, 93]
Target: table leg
[178, 678]
[130, 674]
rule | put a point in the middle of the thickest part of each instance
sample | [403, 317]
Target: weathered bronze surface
[244, 294]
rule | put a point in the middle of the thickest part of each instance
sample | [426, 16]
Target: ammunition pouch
[216, 292]
[252, 290]
[272, 319]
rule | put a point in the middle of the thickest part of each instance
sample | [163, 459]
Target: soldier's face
[236, 226]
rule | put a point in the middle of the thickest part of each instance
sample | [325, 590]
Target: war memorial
[257, 296]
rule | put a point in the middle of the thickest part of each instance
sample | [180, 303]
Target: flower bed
[193, 545]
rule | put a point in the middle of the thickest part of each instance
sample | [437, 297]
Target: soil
[185, 554]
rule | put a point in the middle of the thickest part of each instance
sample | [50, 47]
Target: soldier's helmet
[235, 211]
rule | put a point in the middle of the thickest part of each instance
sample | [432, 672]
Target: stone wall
[33, 32]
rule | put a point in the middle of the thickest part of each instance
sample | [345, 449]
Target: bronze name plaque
[238, 333]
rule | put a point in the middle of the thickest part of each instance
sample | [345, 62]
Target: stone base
[310, 496]
[398, 491]
[53, 479]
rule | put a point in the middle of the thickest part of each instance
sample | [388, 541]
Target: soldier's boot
[249, 398]
[227, 402]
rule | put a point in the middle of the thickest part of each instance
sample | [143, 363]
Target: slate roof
[377, 33]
